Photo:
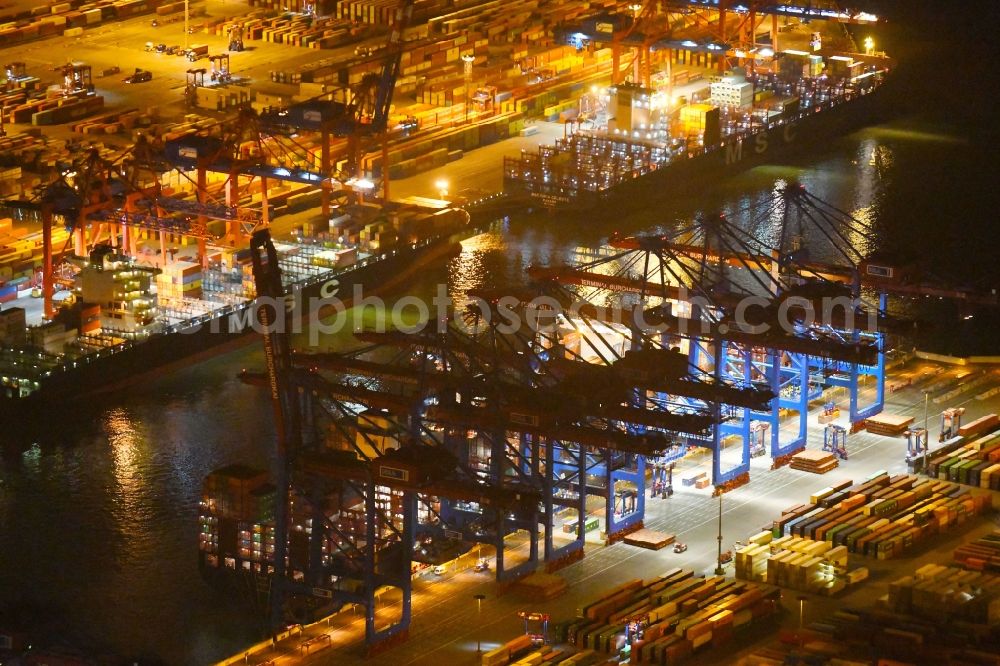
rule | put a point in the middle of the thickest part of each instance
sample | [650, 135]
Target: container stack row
[52, 108]
[883, 516]
[889, 425]
[975, 462]
[850, 637]
[816, 462]
[179, 280]
[221, 98]
[114, 122]
[436, 73]
[509, 652]
[290, 30]
[801, 564]
[677, 613]
[983, 554]
[979, 426]
[69, 18]
[22, 157]
[298, 6]
[21, 252]
[382, 12]
[936, 615]
[17, 91]
[510, 21]
[449, 16]
[935, 590]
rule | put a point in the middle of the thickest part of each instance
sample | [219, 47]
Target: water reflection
[131, 472]
[471, 269]
[120, 431]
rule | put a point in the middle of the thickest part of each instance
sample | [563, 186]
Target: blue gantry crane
[725, 296]
[369, 491]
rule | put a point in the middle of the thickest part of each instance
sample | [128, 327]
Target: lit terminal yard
[614, 461]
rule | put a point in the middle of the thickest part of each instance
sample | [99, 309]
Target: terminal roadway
[445, 627]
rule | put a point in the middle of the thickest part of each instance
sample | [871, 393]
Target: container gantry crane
[459, 388]
[266, 147]
[694, 285]
[719, 30]
[364, 118]
[691, 270]
[112, 199]
[538, 417]
[388, 463]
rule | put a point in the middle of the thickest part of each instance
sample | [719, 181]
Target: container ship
[124, 320]
[633, 141]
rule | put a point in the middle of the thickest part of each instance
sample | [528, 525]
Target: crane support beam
[154, 223]
[351, 365]
[344, 393]
[48, 286]
[209, 210]
[660, 321]
[480, 417]
[568, 275]
[335, 466]
[688, 387]
[284, 399]
[761, 262]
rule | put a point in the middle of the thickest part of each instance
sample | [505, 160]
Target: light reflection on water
[98, 506]
[98, 532]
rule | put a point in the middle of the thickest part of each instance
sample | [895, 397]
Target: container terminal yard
[615, 461]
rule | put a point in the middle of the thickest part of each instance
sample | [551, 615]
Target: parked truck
[197, 52]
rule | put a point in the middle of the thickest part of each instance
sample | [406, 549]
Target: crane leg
[325, 169]
[47, 287]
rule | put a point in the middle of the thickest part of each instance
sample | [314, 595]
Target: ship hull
[159, 354]
[762, 147]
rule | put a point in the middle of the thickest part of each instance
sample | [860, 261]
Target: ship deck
[25, 369]
[596, 159]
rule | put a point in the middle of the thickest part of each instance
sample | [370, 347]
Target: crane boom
[391, 67]
[273, 317]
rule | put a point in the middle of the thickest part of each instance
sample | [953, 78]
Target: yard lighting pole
[479, 622]
[719, 571]
[468, 59]
[927, 433]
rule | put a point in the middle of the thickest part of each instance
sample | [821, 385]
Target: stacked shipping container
[935, 590]
[237, 510]
[883, 516]
[983, 554]
[794, 562]
[976, 462]
[682, 613]
[70, 18]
